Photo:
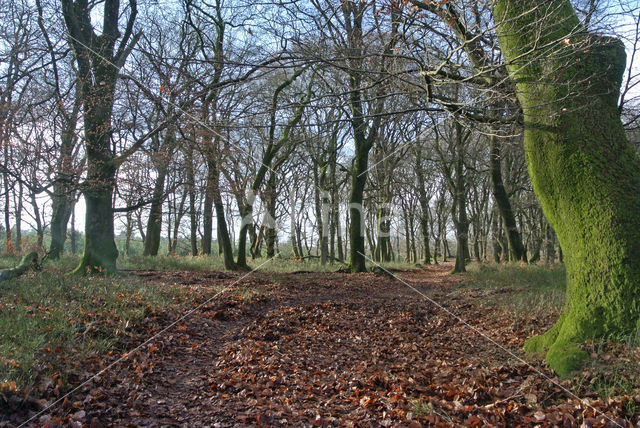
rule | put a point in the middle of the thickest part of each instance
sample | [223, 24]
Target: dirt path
[328, 349]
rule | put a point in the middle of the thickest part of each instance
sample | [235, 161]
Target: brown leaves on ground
[326, 349]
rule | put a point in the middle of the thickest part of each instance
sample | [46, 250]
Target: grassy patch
[613, 371]
[288, 265]
[164, 262]
[534, 293]
[526, 290]
[49, 319]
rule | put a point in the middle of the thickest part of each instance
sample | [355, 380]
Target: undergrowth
[534, 294]
[526, 290]
[46, 316]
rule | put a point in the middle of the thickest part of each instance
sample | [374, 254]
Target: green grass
[537, 292]
[529, 289]
[282, 264]
[164, 262]
[421, 410]
[48, 318]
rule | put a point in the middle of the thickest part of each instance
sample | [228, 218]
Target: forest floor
[332, 349]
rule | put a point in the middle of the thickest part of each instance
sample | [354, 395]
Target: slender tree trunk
[7, 206]
[407, 234]
[299, 239]
[502, 202]
[582, 168]
[191, 188]
[324, 217]
[412, 231]
[74, 249]
[207, 221]
[460, 207]
[221, 223]
[336, 219]
[129, 232]
[423, 199]
[292, 224]
[272, 232]
[154, 223]
[38, 220]
[18, 216]
[383, 246]
[495, 236]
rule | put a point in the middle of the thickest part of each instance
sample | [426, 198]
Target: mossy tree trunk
[459, 205]
[223, 232]
[583, 170]
[154, 223]
[423, 199]
[357, 261]
[98, 62]
[62, 205]
[502, 202]
[191, 188]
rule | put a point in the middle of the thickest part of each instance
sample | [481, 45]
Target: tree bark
[207, 208]
[18, 216]
[221, 223]
[154, 223]
[502, 202]
[191, 188]
[98, 64]
[459, 206]
[271, 232]
[582, 168]
[423, 199]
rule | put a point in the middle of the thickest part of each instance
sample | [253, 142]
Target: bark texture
[516, 248]
[583, 170]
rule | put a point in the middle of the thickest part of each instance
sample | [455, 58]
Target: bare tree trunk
[154, 223]
[74, 248]
[191, 188]
[207, 222]
[502, 202]
[18, 217]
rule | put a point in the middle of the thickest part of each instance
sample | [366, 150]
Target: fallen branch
[29, 261]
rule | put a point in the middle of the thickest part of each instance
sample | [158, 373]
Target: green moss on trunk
[100, 251]
[583, 170]
[357, 261]
[501, 198]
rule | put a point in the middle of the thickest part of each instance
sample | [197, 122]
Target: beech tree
[99, 59]
[583, 170]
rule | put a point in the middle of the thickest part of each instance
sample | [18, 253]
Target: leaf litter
[329, 349]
